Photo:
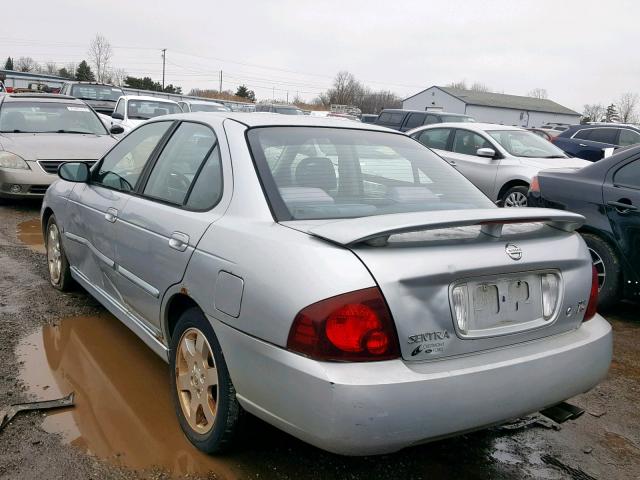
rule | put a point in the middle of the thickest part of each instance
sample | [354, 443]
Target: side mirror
[486, 152]
[74, 172]
[116, 129]
[117, 116]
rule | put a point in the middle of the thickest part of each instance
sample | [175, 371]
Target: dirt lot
[123, 425]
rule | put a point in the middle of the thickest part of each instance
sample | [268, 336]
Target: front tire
[203, 395]
[59, 271]
[606, 262]
[515, 197]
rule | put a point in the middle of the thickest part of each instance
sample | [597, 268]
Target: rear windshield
[289, 111]
[53, 117]
[321, 173]
[200, 107]
[96, 92]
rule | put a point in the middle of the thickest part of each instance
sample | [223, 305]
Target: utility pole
[273, 97]
[164, 57]
[220, 90]
[287, 96]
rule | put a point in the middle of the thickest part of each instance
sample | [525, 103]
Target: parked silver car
[38, 132]
[336, 279]
[189, 105]
[498, 159]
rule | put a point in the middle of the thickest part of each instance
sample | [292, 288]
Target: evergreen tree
[244, 92]
[63, 72]
[8, 65]
[84, 72]
[612, 114]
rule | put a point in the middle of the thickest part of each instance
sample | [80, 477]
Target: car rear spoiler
[376, 230]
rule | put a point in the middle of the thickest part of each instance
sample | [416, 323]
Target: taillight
[592, 306]
[355, 326]
[535, 185]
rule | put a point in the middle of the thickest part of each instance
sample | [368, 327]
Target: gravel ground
[603, 443]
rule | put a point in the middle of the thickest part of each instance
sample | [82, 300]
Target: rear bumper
[381, 407]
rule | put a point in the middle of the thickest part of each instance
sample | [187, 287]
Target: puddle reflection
[30, 234]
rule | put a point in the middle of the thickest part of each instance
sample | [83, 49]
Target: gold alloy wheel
[54, 255]
[197, 381]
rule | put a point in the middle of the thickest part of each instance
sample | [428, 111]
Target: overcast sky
[580, 51]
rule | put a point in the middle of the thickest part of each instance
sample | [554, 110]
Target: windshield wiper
[69, 131]
[555, 156]
[137, 117]
[13, 131]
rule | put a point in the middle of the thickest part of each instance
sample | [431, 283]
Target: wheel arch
[46, 215]
[510, 184]
[176, 304]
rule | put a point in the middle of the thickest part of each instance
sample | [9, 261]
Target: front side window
[434, 138]
[179, 163]
[122, 166]
[604, 135]
[629, 175]
[391, 118]
[146, 109]
[323, 173]
[49, 117]
[520, 143]
[583, 134]
[431, 119]
[468, 143]
[628, 137]
[415, 120]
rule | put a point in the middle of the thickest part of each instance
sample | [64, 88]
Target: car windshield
[321, 173]
[456, 118]
[49, 117]
[289, 111]
[520, 143]
[102, 93]
[199, 107]
[146, 109]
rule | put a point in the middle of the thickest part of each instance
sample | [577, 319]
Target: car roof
[147, 97]
[431, 112]
[476, 126]
[265, 119]
[45, 97]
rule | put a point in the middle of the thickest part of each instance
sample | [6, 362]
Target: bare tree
[26, 64]
[100, 54]
[118, 76]
[461, 85]
[51, 68]
[626, 106]
[593, 112]
[540, 93]
[480, 87]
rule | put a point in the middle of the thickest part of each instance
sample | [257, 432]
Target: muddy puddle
[124, 415]
[30, 234]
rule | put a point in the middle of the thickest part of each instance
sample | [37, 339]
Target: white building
[492, 107]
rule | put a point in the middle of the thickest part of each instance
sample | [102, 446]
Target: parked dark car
[590, 141]
[607, 193]
[404, 120]
[101, 97]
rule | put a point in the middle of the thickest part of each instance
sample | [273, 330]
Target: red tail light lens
[356, 327]
[535, 185]
[592, 306]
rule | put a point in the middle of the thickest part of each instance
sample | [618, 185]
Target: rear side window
[121, 168]
[179, 163]
[604, 135]
[324, 173]
[629, 175]
[415, 120]
[583, 134]
[432, 119]
[436, 138]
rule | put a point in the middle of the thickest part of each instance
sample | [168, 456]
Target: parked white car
[498, 159]
[131, 111]
[202, 106]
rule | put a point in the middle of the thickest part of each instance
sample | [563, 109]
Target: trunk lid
[499, 257]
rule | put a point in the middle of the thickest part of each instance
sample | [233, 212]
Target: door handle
[582, 144]
[623, 207]
[452, 163]
[111, 215]
[179, 241]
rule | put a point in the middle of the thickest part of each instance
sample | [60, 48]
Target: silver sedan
[498, 159]
[338, 280]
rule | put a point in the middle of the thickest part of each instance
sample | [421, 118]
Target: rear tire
[515, 197]
[209, 414]
[605, 259]
[59, 270]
